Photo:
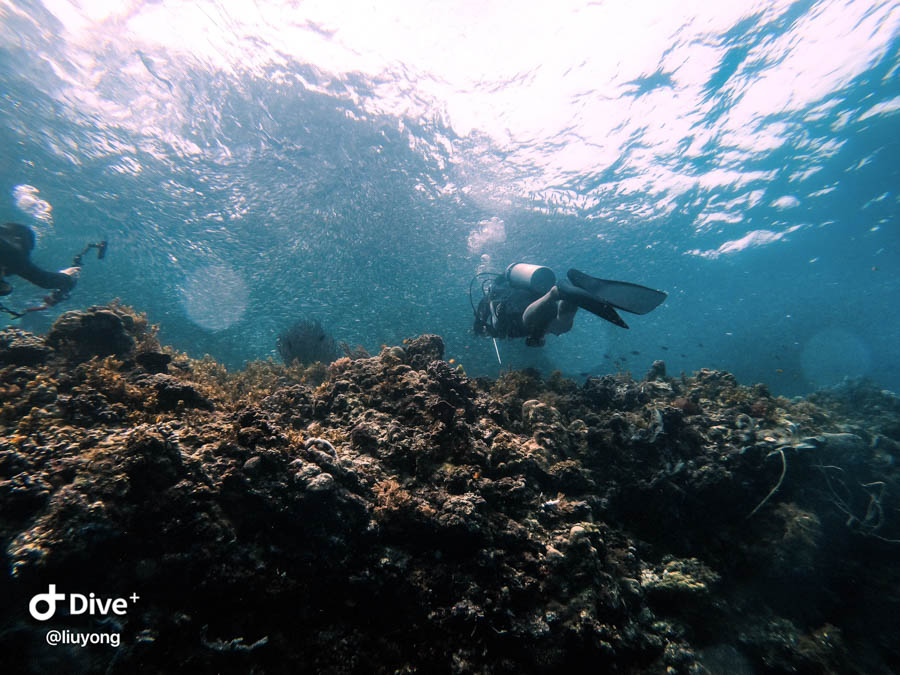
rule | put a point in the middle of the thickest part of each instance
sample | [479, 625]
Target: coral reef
[306, 341]
[388, 514]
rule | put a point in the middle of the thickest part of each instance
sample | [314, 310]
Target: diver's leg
[538, 315]
[565, 316]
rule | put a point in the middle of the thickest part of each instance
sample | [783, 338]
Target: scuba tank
[535, 278]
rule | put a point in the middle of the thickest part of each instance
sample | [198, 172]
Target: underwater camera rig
[101, 252]
[58, 295]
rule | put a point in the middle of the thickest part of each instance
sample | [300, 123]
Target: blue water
[252, 163]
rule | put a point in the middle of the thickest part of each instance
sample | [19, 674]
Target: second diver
[528, 301]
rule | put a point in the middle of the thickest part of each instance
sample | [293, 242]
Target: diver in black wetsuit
[528, 301]
[16, 244]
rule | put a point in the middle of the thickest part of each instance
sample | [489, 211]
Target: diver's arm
[63, 281]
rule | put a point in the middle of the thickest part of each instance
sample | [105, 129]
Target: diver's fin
[620, 294]
[587, 301]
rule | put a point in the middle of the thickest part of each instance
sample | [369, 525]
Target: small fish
[452, 361]
[635, 352]
[664, 347]
[779, 370]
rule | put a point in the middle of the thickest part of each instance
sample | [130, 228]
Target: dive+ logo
[43, 605]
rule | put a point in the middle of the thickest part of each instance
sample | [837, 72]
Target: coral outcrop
[392, 515]
[306, 341]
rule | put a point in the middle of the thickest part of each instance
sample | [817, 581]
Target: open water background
[254, 162]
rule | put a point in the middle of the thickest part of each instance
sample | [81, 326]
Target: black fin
[620, 294]
[590, 303]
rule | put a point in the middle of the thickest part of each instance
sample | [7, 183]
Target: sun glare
[524, 75]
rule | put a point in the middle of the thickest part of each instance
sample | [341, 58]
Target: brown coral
[388, 513]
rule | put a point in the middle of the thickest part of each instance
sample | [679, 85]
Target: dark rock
[152, 459]
[363, 438]
[686, 405]
[323, 482]
[20, 348]
[97, 331]
[443, 411]
[657, 371]
[87, 408]
[423, 350]
[612, 391]
[153, 362]
[172, 392]
[23, 494]
[253, 465]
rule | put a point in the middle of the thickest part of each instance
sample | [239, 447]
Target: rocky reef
[389, 514]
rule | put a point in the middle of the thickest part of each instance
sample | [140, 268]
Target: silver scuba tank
[536, 278]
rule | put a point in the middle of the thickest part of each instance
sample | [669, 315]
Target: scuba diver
[16, 245]
[528, 301]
